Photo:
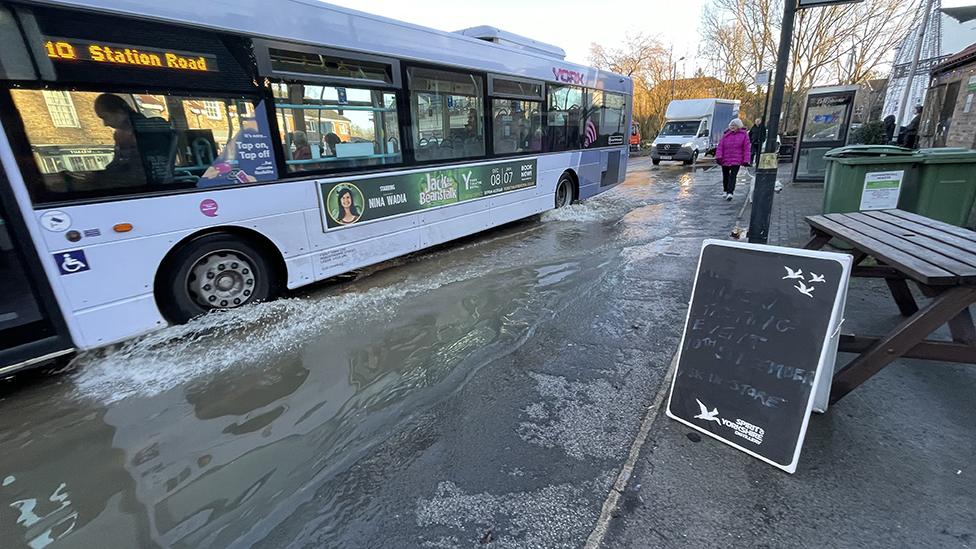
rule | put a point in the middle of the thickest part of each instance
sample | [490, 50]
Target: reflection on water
[223, 458]
[684, 185]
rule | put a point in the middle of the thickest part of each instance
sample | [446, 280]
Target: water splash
[214, 342]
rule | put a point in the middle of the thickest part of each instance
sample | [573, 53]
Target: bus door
[30, 331]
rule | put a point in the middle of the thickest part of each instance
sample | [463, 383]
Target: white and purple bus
[161, 160]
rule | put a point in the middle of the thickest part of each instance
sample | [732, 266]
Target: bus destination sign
[70, 49]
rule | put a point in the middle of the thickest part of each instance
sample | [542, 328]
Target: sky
[570, 24]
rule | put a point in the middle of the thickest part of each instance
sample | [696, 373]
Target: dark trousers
[756, 151]
[729, 173]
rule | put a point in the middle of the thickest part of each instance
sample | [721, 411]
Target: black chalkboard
[755, 339]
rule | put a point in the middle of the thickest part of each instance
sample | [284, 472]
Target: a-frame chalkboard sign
[759, 341]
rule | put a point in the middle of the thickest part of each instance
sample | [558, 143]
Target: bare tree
[647, 61]
[882, 25]
[833, 44]
[641, 58]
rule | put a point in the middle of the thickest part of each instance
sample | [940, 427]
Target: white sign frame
[882, 199]
[820, 391]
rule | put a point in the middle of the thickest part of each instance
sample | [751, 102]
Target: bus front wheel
[564, 191]
[215, 271]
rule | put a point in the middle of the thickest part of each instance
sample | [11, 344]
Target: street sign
[802, 4]
[762, 78]
[758, 345]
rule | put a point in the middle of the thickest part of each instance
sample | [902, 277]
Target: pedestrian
[911, 130]
[733, 151]
[757, 136]
[889, 128]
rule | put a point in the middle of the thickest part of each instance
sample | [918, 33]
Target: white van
[692, 128]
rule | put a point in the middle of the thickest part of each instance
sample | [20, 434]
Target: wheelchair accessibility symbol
[71, 262]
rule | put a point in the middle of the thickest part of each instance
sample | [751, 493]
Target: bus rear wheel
[216, 271]
[564, 191]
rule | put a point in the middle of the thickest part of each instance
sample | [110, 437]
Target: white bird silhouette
[790, 273]
[706, 415]
[814, 277]
[804, 289]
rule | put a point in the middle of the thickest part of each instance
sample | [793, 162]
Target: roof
[964, 57]
[499, 36]
[318, 23]
[961, 13]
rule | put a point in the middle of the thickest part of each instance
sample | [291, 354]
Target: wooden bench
[940, 258]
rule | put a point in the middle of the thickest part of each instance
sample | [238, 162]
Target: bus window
[516, 126]
[92, 144]
[565, 118]
[448, 114]
[330, 128]
[606, 116]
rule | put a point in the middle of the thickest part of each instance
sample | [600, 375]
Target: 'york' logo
[568, 76]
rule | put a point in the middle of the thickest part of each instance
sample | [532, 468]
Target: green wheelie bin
[946, 186]
[866, 177]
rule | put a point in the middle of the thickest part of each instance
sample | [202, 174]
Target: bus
[161, 160]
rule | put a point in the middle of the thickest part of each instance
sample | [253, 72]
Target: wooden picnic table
[940, 258]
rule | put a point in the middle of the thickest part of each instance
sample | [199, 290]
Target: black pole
[762, 199]
[766, 107]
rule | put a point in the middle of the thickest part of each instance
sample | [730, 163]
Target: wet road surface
[484, 392]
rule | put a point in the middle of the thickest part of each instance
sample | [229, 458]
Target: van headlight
[688, 145]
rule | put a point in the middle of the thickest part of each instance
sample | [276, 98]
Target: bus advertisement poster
[348, 202]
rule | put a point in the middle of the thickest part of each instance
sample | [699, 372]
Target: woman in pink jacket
[733, 151]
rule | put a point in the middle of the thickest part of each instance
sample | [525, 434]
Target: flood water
[213, 434]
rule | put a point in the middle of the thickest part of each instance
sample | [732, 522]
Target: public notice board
[756, 344]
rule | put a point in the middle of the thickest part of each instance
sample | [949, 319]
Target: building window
[331, 128]
[61, 109]
[213, 109]
[448, 114]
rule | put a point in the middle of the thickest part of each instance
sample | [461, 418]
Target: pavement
[891, 465]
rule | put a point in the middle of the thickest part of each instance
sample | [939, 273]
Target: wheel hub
[223, 279]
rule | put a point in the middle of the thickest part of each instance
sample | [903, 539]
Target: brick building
[949, 115]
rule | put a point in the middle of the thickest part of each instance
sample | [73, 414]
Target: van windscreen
[687, 127]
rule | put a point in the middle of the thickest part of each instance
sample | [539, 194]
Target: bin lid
[872, 154]
[867, 150]
[948, 155]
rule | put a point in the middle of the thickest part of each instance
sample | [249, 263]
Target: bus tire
[655, 161]
[212, 272]
[564, 191]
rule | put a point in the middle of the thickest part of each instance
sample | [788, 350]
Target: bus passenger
[331, 140]
[126, 168]
[303, 151]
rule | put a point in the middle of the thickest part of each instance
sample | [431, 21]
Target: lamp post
[674, 74]
[762, 203]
